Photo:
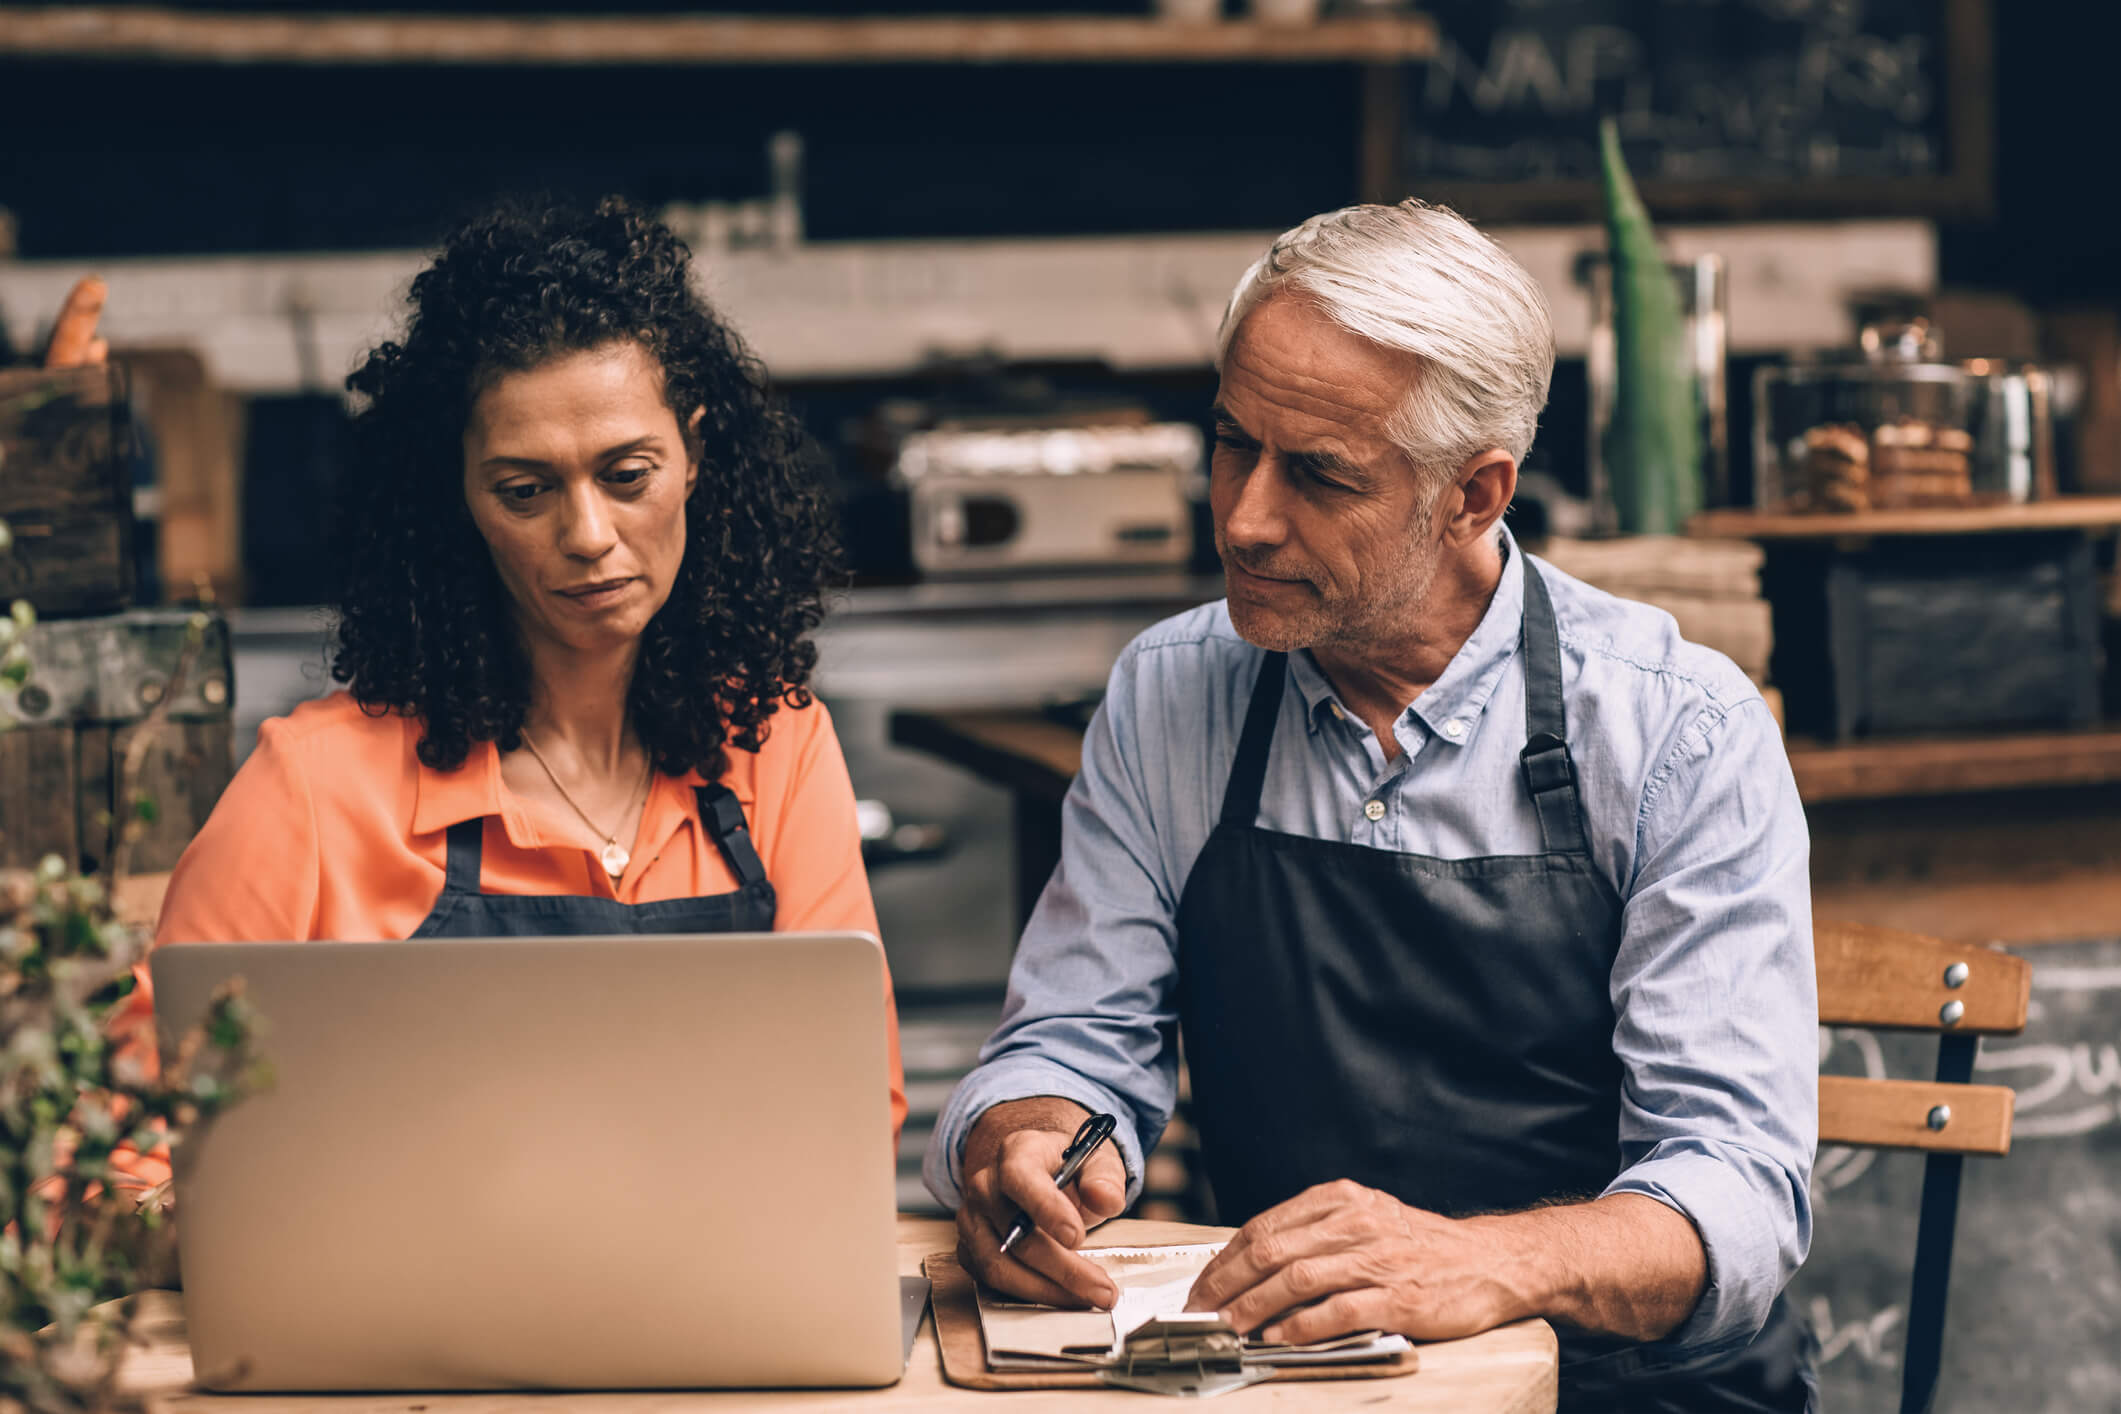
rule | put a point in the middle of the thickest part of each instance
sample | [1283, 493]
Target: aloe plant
[1652, 448]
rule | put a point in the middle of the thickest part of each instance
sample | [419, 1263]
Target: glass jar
[1703, 301]
[1846, 436]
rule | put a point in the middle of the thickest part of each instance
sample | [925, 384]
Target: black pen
[1095, 1131]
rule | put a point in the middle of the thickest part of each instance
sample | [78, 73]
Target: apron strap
[467, 853]
[723, 815]
[1248, 773]
[1549, 772]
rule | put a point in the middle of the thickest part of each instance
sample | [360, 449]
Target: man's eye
[628, 475]
[521, 492]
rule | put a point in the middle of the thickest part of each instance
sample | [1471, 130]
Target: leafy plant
[74, 1096]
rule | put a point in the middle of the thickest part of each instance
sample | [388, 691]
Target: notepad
[1153, 1284]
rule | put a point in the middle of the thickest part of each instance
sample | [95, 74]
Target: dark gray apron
[1440, 1029]
[464, 911]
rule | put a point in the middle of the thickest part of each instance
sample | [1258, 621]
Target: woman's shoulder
[338, 727]
[794, 738]
[334, 751]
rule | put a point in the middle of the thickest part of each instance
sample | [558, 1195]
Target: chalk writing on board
[1704, 90]
[2064, 1089]
[1870, 1338]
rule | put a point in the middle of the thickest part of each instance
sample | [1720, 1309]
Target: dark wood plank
[1015, 748]
[64, 490]
[37, 796]
[183, 774]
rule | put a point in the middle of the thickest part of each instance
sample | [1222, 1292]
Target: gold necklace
[614, 856]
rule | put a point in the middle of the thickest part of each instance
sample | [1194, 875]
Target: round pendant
[615, 857]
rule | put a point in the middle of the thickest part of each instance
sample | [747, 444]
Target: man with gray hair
[1479, 897]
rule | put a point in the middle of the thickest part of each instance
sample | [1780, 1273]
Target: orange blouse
[334, 829]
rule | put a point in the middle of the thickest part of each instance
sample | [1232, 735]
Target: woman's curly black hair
[424, 625]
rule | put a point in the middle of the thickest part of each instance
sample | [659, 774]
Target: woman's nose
[586, 530]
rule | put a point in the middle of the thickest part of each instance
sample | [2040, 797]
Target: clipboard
[964, 1350]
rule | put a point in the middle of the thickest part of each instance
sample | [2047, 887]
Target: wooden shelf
[174, 36]
[1955, 765]
[2064, 513]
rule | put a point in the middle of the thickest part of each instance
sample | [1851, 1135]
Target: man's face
[1326, 534]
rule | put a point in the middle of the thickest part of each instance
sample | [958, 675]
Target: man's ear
[693, 453]
[1485, 484]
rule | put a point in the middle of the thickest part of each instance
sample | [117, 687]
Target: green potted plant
[75, 1247]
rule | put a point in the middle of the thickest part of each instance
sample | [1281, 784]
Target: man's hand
[1010, 1159]
[1341, 1257]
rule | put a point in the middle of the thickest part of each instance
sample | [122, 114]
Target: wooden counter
[2007, 837]
[1511, 1370]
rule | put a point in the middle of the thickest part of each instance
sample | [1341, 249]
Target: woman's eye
[521, 492]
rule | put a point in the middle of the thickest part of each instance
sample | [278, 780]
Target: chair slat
[1885, 978]
[1894, 1114]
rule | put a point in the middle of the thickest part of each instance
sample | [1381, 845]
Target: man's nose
[1255, 517]
[586, 530]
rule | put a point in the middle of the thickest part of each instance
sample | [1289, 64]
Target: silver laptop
[597, 1162]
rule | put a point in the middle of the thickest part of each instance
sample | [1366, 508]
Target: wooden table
[2012, 837]
[1511, 1370]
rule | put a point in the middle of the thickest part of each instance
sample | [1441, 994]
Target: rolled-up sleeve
[1716, 1008]
[1089, 1015]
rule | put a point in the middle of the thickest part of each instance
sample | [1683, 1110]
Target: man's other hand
[1010, 1159]
[1341, 1257]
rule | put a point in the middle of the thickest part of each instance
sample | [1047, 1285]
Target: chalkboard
[2034, 1322]
[1721, 104]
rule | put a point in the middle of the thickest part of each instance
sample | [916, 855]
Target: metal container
[1007, 501]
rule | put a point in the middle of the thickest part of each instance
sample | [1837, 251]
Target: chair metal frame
[1884, 979]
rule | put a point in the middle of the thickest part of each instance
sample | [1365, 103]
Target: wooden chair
[1889, 980]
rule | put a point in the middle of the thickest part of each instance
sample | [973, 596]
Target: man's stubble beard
[1323, 623]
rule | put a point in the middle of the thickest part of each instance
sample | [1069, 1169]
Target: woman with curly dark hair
[583, 562]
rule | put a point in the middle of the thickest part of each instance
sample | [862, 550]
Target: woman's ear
[692, 450]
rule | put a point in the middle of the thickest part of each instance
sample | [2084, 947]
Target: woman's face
[576, 474]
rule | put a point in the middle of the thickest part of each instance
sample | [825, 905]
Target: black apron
[464, 911]
[1440, 1029]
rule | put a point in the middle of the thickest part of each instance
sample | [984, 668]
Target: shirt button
[1373, 809]
[1455, 730]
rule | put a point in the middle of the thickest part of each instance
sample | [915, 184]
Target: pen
[1095, 1131]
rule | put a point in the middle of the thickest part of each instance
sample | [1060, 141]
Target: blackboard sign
[1737, 105]
[2034, 1321]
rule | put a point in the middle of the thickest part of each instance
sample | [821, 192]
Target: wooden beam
[1872, 770]
[1894, 1114]
[109, 32]
[2062, 513]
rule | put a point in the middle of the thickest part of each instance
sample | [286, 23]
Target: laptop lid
[545, 1162]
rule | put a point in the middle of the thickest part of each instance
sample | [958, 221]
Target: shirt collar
[1452, 706]
[471, 792]
[474, 791]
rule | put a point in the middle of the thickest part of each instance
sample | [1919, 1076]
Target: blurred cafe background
[983, 249]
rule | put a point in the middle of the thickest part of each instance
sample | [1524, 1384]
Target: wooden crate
[66, 489]
[93, 685]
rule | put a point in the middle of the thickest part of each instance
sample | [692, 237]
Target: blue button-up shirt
[1692, 814]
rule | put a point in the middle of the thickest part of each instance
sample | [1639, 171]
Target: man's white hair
[1420, 279]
